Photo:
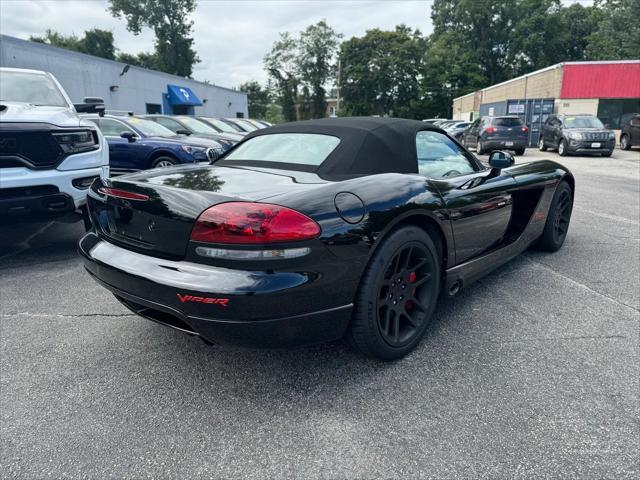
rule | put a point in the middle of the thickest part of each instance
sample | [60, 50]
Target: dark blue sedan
[139, 144]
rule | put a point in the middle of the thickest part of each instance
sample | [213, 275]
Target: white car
[49, 156]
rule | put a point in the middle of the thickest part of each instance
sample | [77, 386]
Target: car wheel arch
[161, 153]
[428, 222]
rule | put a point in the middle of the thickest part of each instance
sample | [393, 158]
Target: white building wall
[88, 76]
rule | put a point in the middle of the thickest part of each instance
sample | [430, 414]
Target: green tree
[94, 42]
[618, 34]
[318, 45]
[143, 59]
[382, 73]
[281, 63]
[169, 20]
[99, 43]
[258, 98]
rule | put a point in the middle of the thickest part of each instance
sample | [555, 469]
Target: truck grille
[596, 136]
[29, 145]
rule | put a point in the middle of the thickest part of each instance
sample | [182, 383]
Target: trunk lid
[170, 200]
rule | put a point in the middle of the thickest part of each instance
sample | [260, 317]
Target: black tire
[558, 218]
[164, 161]
[624, 142]
[520, 151]
[479, 149]
[397, 295]
[541, 145]
[562, 148]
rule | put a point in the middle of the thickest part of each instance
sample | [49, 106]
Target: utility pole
[338, 89]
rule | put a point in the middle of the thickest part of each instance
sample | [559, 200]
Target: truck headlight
[77, 141]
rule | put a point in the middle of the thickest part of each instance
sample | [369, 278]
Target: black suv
[576, 134]
[630, 134]
[496, 133]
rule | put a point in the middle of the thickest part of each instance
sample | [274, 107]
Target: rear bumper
[507, 144]
[240, 307]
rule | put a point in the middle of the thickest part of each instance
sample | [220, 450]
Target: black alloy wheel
[562, 215]
[557, 224]
[401, 300]
[397, 295]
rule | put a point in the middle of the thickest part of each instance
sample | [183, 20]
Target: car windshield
[582, 122]
[299, 148]
[220, 125]
[28, 87]
[149, 128]
[196, 126]
[507, 122]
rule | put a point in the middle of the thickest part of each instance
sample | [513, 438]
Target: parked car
[446, 123]
[440, 121]
[493, 133]
[138, 144]
[49, 156]
[431, 120]
[223, 127]
[456, 129]
[342, 234]
[241, 124]
[630, 134]
[259, 125]
[572, 134]
[186, 125]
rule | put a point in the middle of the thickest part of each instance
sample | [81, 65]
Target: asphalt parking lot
[532, 372]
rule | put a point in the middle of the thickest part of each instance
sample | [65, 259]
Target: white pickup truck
[49, 156]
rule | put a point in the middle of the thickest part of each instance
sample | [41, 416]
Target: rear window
[507, 122]
[299, 148]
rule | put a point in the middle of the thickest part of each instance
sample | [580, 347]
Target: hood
[587, 130]
[190, 140]
[18, 112]
[234, 137]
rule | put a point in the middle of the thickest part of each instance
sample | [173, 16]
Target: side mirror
[129, 136]
[500, 159]
[90, 105]
[183, 132]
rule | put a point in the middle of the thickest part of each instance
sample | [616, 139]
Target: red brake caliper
[412, 278]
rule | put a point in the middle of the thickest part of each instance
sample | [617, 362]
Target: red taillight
[491, 130]
[525, 128]
[245, 222]
[117, 193]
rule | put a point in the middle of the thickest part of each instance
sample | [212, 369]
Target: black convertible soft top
[368, 145]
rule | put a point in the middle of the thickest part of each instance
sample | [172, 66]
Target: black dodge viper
[311, 231]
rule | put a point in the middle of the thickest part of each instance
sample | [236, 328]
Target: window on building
[153, 108]
[239, 114]
[614, 111]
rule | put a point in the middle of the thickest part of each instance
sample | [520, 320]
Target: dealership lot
[534, 370]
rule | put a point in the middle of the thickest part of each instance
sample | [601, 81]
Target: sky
[231, 37]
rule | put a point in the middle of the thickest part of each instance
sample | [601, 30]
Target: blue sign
[182, 96]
